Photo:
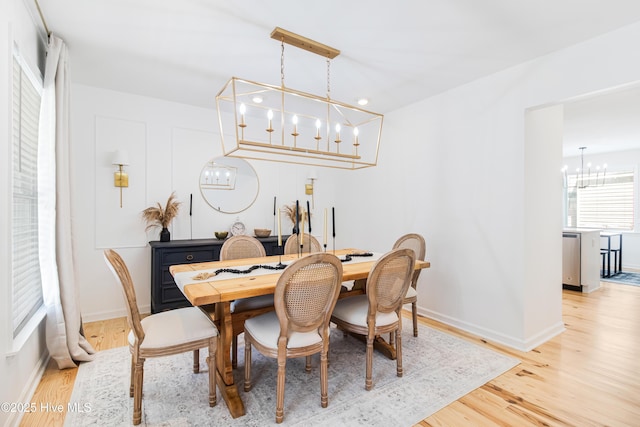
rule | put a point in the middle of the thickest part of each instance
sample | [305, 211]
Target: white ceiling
[603, 123]
[393, 52]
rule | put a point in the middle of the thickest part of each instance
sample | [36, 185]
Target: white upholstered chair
[162, 334]
[238, 247]
[378, 311]
[305, 295]
[417, 244]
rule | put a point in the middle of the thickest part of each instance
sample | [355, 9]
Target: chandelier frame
[307, 127]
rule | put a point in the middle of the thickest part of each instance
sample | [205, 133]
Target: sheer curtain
[65, 338]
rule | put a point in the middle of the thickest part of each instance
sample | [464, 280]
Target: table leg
[620, 254]
[224, 377]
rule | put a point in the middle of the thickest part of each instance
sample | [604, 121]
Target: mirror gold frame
[228, 184]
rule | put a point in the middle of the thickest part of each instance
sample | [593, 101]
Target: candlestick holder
[280, 251]
[325, 247]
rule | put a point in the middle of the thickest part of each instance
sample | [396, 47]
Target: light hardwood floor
[587, 376]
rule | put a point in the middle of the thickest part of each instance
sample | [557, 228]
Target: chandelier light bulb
[270, 114]
[295, 119]
[356, 132]
[243, 109]
[318, 124]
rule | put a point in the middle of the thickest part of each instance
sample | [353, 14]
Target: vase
[165, 235]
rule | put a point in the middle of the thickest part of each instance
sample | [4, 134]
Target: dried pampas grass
[290, 211]
[157, 216]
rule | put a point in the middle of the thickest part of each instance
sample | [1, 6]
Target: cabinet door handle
[189, 257]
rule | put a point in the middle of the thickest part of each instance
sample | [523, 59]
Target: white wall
[457, 168]
[20, 367]
[168, 145]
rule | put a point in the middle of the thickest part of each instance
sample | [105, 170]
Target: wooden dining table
[214, 294]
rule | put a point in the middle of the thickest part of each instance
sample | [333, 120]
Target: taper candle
[324, 239]
[297, 217]
[309, 216]
[279, 230]
[274, 205]
[333, 216]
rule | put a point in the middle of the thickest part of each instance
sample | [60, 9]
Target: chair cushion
[411, 292]
[175, 327]
[354, 310]
[246, 304]
[265, 329]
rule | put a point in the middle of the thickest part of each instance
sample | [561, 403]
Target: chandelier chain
[282, 62]
[328, 78]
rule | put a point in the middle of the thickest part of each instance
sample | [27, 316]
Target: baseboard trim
[111, 314]
[28, 391]
[494, 336]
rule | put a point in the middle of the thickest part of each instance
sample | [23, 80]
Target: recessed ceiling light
[363, 101]
[257, 99]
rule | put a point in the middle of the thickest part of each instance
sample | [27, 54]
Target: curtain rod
[44, 23]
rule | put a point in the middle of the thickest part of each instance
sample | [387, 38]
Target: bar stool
[616, 267]
[604, 253]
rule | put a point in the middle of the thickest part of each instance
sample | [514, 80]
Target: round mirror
[229, 184]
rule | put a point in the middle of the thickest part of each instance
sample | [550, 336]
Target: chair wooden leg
[307, 366]
[211, 363]
[399, 352]
[137, 391]
[196, 361]
[282, 369]
[133, 368]
[368, 382]
[414, 313]
[324, 380]
[234, 352]
[392, 339]
[247, 363]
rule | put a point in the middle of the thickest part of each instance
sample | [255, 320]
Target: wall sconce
[308, 188]
[120, 178]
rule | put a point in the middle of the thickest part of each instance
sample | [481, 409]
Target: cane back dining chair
[305, 295]
[310, 244]
[416, 242]
[162, 334]
[378, 311]
[237, 247]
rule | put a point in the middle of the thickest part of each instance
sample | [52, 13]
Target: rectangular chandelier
[275, 123]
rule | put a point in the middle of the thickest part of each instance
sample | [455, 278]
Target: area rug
[438, 369]
[624, 277]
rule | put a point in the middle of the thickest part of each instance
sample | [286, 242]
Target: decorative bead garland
[203, 276]
[349, 257]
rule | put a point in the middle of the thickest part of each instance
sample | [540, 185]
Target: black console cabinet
[165, 295]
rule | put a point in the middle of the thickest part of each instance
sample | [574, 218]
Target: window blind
[26, 281]
[608, 205]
